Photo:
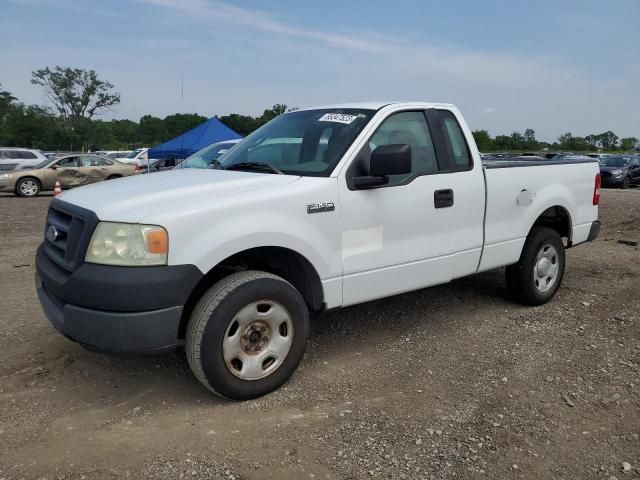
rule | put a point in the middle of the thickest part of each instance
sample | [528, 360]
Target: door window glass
[69, 162]
[25, 155]
[456, 143]
[408, 128]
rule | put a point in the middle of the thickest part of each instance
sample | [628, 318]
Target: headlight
[6, 175]
[616, 173]
[128, 244]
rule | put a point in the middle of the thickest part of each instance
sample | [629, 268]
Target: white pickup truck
[320, 208]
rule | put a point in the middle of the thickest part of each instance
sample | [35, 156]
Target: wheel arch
[558, 218]
[281, 261]
[37, 180]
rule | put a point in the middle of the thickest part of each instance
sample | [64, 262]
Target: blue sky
[554, 66]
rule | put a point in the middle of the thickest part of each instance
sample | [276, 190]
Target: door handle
[443, 198]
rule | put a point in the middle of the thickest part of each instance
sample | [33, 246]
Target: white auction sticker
[337, 117]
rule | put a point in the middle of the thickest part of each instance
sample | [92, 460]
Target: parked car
[138, 156]
[114, 154]
[318, 209]
[19, 158]
[208, 156]
[161, 165]
[620, 171]
[71, 171]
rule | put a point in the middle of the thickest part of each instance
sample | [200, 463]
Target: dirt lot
[453, 381]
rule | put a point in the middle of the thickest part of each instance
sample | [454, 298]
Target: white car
[138, 156]
[114, 154]
[18, 158]
[318, 209]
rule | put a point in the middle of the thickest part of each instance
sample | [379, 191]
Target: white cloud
[224, 12]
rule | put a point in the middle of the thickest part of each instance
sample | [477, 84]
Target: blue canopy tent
[211, 131]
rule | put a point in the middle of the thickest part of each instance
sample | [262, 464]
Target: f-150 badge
[321, 207]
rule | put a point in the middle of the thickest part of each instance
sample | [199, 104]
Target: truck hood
[130, 199]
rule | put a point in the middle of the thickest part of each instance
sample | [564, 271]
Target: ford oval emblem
[52, 233]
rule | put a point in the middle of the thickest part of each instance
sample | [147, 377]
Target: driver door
[404, 235]
[68, 172]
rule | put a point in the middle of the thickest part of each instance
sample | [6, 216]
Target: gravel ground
[449, 382]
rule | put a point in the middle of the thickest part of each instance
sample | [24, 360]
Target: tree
[75, 93]
[628, 143]
[608, 140]
[502, 142]
[483, 140]
[529, 138]
[593, 140]
[6, 101]
[567, 141]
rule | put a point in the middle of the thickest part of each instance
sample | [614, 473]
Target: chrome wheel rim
[545, 269]
[257, 340]
[28, 187]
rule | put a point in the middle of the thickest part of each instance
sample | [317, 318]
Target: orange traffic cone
[58, 189]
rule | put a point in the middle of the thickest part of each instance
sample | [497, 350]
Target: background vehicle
[18, 158]
[620, 170]
[138, 156]
[161, 165]
[114, 154]
[209, 155]
[71, 171]
[318, 209]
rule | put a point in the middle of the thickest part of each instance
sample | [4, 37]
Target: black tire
[522, 283]
[22, 185]
[113, 177]
[625, 183]
[212, 320]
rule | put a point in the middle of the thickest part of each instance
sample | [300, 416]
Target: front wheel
[625, 183]
[247, 335]
[536, 277]
[28, 187]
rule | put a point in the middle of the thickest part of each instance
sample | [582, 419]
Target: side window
[69, 162]
[456, 143]
[93, 161]
[25, 155]
[408, 128]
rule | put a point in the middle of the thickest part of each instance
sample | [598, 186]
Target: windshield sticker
[337, 117]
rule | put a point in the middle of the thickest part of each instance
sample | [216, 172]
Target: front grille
[605, 174]
[67, 233]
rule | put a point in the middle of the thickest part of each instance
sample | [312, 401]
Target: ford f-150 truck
[320, 208]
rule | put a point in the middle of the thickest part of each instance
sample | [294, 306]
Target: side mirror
[53, 167]
[385, 160]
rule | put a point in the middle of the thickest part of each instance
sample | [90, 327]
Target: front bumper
[612, 181]
[116, 309]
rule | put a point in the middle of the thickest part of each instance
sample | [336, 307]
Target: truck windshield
[307, 142]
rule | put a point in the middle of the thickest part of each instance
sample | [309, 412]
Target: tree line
[517, 141]
[78, 97]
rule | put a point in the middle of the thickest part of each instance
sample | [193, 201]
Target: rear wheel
[247, 335]
[28, 187]
[536, 277]
[113, 177]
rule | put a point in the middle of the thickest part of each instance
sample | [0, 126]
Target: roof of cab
[376, 105]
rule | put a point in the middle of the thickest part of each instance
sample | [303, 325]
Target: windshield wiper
[254, 166]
